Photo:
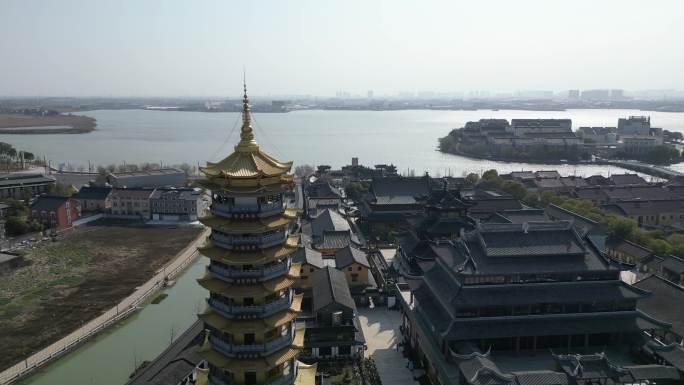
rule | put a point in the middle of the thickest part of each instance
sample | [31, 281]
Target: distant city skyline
[183, 49]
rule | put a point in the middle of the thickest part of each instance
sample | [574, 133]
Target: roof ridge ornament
[247, 142]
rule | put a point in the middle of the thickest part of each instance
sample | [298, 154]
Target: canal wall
[122, 310]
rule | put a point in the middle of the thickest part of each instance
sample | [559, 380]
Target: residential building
[176, 204]
[252, 335]
[334, 332]
[650, 213]
[599, 136]
[354, 263]
[165, 177]
[94, 199]
[310, 261]
[131, 202]
[520, 127]
[505, 290]
[634, 125]
[23, 185]
[56, 213]
[595, 95]
[330, 232]
[627, 252]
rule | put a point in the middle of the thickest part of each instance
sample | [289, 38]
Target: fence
[122, 310]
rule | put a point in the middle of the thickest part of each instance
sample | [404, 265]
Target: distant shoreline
[17, 124]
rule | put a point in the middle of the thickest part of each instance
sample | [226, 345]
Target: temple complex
[251, 334]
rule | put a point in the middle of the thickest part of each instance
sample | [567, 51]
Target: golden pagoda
[251, 334]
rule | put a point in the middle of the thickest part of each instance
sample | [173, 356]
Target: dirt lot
[76, 279]
[29, 124]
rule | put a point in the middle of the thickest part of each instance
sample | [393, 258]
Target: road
[381, 329]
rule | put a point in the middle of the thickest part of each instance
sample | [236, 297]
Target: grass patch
[159, 298]
[71, 281]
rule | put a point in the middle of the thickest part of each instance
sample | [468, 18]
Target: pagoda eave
[249, 224]
[257, 258]
[252, 325]
[216, 285]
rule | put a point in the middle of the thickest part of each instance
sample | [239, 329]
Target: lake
[406, 138]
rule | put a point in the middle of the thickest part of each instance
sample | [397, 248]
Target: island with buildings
[554, 141]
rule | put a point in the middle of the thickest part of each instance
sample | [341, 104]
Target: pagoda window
[248, 301]
[250, 378]
[250, 339]
[572, 308]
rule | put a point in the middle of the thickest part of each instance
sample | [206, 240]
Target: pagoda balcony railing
[215, 380]
[262, 209]
[261, 349]
[229, 275]
[284, 380]
[229, 242]
[230, 311]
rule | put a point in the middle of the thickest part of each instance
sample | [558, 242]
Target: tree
[472, 179]
[620, 228]
[16, 226]
[61, 190]
[356, 189]
[304, 170]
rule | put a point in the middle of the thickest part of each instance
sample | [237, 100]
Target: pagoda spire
[247, 141]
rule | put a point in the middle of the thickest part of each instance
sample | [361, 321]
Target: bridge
[644, 168]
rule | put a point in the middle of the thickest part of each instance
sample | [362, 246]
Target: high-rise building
[251, 334]
[573, 94]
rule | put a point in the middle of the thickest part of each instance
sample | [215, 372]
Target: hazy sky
[198, 48]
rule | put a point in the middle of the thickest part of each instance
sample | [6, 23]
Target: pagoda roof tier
[256, 257]
[265, 288]
[238, 365]
[247, 163]
[249, 225]
[248, 186]
[253, 325]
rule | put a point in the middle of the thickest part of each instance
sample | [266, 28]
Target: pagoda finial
[247, 141]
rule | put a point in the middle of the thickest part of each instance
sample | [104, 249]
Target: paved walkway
[381, 329]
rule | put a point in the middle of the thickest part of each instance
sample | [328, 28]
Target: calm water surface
[109, 359]
[406, 138]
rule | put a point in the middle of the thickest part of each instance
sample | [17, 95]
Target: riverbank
[112, 262]
[18, 124]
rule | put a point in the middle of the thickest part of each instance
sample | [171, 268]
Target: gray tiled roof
[673, 264]
[665, 303]
[522, 294]
[495, 204]
[624, 179]
[330, 286]
[534, 241]
[308, 255]
[548, 325]
[399, 190]
[49, 203]
[333, 240]
[8, 180]
[88, 192]
[328, 220]
[348, 255]
[174, 363]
